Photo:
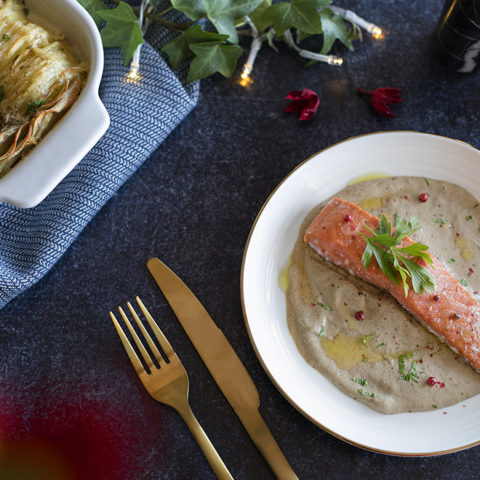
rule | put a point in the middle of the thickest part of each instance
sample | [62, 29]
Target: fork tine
[137, 340]
[137, 365]
[162, 340]
[146, 335]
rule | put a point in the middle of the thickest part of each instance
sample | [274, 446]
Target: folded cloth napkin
[142, 115]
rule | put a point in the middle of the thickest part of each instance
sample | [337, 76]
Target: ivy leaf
[301, 14]
[334, 28]
[92, 7]
[178, 49]
[224, 13]
[121, 30]
[211, 57]
[193, 9]
[259, 17]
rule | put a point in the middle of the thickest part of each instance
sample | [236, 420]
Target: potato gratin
[40, 78]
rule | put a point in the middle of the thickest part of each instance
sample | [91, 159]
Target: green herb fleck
[440, 220]
[365, 394]
[366, 339]
[397, 262]
[360, 381]
[476, 205]
[2, 93]
[322, 331]
[412, 374]
[325, 307]
[434, 406]
[451, 260]
[365, 359]
[381, 344]
[463, 282]
[426, 181]
[34, 105]
[468, 218]
[5, 37]
[15, 59]
[26, 11]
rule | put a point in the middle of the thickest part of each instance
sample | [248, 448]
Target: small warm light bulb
[335, 60]
[133, 76]
[377, 33]
[245, 78]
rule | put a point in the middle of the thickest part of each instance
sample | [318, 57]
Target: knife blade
[223, 364]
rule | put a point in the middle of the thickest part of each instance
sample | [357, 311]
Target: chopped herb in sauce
[468, 218]
[412, 374]
[322, 331]
[5, 37]
[365, 359]
[427, 182]
[34, 105]
[2, 93]
[366, 339]
[434, 406]
[476, 205]
[360, 381]
[440, 220]
[463, 282]
[451, 260]
[381, 344]
[365, 394]
[325, 307]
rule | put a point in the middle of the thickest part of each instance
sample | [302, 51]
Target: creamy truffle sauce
[361, 356]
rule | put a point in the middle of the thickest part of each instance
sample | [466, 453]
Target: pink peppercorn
[423, 197]
[347, 218]
[433, 382]
[360, 316]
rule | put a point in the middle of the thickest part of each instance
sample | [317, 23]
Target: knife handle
[269, 448]
[213, 458]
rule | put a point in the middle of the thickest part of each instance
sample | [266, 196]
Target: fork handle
[204, 443]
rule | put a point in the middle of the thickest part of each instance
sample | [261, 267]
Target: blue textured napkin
[142, 115]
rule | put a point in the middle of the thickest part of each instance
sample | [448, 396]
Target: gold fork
[168, 383]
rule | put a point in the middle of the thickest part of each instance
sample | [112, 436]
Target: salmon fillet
[450, 312]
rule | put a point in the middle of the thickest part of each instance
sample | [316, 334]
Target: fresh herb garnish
[451, 260]
[364, 359]
[381, 344]
[2, 93]
[434, 406]
[360, 381]
[440, 220]
[324, 306]
[365, 394]
[393, 260]
[5, 37]
[412, 374]
[426, 181]
[366, 339]
[322, 331]
[463, 282]
[476, 205]
[468, 218]
[34, 105]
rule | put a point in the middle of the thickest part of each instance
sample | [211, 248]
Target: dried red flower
[305, 101]
[381, 97]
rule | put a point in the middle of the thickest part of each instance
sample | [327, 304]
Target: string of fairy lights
[257, 42]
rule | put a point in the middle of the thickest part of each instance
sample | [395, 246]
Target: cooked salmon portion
[450, 312]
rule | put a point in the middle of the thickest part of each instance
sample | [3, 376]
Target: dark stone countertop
[66, 384]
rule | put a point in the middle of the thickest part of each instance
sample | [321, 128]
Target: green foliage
[208, 45]
[212, 57]
[92, 7]
[396, 261]
[121, 30]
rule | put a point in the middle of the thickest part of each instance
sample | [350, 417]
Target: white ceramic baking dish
[34, 177]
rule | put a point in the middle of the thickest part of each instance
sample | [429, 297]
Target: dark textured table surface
[66, 384]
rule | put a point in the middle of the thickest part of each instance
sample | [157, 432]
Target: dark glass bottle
[456, 42]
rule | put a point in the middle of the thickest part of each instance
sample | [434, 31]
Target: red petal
[388, 94]
[295, 106]
[294, 95]
[381, 108]
[306, 101]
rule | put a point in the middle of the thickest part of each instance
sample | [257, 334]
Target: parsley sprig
[397, 262]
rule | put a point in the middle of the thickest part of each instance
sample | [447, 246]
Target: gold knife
[223, 363]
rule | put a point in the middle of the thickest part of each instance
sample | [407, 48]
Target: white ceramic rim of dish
[263, 302]
[35, 176]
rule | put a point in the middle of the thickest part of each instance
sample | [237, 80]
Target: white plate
[267, 252]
